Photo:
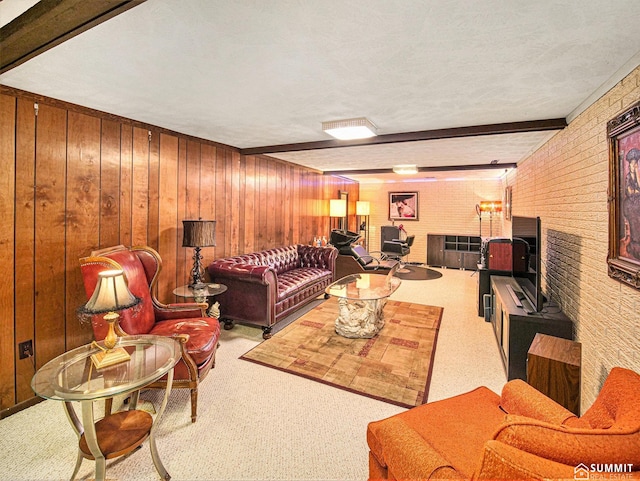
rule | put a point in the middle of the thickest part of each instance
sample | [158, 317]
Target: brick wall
[565, 183]
[445, 207]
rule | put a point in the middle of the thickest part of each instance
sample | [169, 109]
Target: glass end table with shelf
[203, 294]
[72, 377]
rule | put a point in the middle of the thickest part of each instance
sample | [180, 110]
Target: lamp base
[109, 358]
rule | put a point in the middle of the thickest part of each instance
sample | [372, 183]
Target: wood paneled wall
[75, 180]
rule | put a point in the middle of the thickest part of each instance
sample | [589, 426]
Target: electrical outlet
[25, 349]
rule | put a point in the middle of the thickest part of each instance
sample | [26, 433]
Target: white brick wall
[565, 182]
[445, 207]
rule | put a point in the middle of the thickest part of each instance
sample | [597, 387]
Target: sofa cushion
[203, 333]
[296, 280]
[473, 416]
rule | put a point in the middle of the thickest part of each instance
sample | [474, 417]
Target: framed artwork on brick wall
[623, 259]
[403, 206]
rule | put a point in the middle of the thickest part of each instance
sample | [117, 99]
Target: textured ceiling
[258, 73]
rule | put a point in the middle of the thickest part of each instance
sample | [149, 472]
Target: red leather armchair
[197, 333]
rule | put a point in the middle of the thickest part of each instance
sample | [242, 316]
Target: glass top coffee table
[361, 300]
[72, 376]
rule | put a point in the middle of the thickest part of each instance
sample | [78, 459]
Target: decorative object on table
[363, 209]
[624, 197]
[403, 206]
[110, 295]
[394, 367]
[202, 296]
[188, 323]
[197, 234]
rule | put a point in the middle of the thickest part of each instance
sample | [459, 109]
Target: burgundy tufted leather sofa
[265, 287]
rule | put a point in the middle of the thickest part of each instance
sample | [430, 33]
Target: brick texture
[445, 207]
[565, 182]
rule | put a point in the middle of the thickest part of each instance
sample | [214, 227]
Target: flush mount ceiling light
[350, 129]
[405, 169]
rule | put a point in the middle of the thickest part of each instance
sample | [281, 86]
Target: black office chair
[397, 249]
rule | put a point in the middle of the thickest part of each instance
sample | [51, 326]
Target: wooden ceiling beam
[473, 131]
[49, 23]
[442, 168]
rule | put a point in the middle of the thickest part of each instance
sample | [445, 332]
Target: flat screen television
[525, 238]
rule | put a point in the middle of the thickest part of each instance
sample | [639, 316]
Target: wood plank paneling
[170, 234]
[7, 247]
[50, 238]
[86, 180]
[24, 208]
[83, 209]
[140, 187]
[110, 149]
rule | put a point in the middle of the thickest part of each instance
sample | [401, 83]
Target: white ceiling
[252, 73]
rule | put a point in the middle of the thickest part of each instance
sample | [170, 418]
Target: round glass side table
[72, 376]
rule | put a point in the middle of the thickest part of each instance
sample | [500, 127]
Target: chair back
[618, 403]
[362, 256]
[409, 240]
[140, 269]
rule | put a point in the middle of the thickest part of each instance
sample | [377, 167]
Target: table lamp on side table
[111, 295]
[198, 234]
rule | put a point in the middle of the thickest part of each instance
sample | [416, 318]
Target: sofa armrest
[180, 310]
[571, 446]
[501, 461]
[521, 399]
[405, 454]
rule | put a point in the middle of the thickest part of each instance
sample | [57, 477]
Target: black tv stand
[515, 329]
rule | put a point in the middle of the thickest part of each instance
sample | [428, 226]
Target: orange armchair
[521, 434]
[187, 322]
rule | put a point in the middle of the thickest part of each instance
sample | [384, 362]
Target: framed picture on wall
[624, 197]
[403, 206]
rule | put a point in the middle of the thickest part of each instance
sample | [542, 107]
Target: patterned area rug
[395, 366]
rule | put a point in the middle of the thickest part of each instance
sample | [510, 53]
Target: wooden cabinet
[435, 250]
[554, 369]
[515, 329]
[455, 251]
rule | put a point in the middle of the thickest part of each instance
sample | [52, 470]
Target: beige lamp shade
[337, 208]
[362, 207]
[111, 294]
[199, 233]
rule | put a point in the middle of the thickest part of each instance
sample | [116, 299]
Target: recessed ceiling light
[405, 169]
[349, 129]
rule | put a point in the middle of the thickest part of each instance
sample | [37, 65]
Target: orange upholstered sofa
[521, 434]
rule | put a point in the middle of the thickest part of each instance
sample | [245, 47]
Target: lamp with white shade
[111, 295]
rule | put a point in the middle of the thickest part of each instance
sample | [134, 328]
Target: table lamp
[111, 295]
[197, 234]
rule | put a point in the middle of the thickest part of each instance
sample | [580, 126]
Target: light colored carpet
[394, 366]
[257, 423]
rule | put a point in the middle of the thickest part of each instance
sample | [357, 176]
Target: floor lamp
[338, 208]
[362, 211]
